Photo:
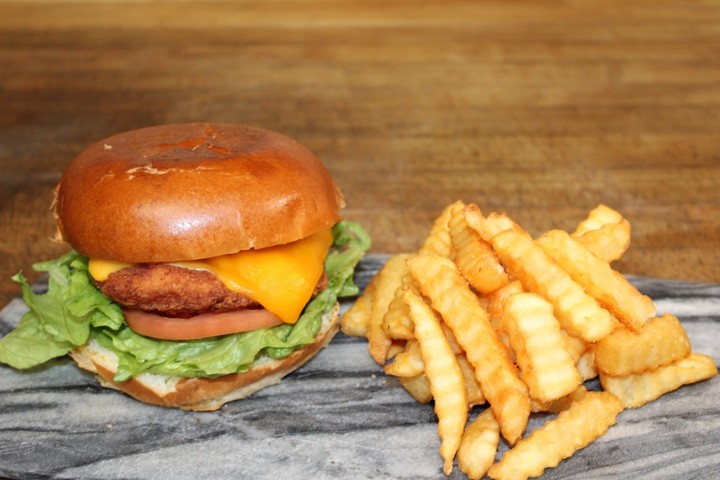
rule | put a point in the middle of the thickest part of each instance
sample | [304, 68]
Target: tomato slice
[200, 326]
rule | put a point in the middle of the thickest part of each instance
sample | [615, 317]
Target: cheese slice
[280, 278]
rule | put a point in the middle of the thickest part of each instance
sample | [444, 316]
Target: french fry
[659, 342]
[573, 429]
[408, 363]
[355, 321]
[483, 301]
[605, 233]
[474, 257]
[608, 287]
[396, 346]
[576, 347]
[638, 389]
[586, 364]
[609, 242]
[452, 341]
[495, 311]
[396, 320]
[446, 379]
[388, 280]
[472, 386]
[490, 226]
[478, 445]
[597, 218]
[547, 367]
[563, 403]
[418, 387]
[496, 299]
[450, 295]
[578, 313]
[438, 241]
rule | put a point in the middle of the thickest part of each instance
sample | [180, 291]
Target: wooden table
[540, 109]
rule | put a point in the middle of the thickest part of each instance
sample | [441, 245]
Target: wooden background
[540, 109]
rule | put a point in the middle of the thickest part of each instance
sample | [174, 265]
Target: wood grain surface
[541, 109]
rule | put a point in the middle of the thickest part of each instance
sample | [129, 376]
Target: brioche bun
[192, 191]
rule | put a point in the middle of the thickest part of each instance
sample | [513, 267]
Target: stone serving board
[337, 417]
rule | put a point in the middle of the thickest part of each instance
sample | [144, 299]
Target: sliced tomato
[200, 326]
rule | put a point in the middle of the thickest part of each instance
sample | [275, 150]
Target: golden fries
[438, 242]
[396, 346]
[605, 233]
[396, 320]
[446, 380]
[496, 311]
[389, 279]
[472, 387]
[418, 387]
[638, 389]
[478, 445]
[573, 429]
[578, 313]
[408, 363]
[547, 367]
[490, 226]
[606, 285]
[597, 218]
[449, 294]
[474, 257]
[608, 242]
[586, 364]
[485, 313]
[661, 341]
[557, 406]
[354, 322]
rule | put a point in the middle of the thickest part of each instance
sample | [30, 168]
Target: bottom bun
[201, 393]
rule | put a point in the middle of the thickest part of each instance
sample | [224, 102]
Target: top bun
[192, 191]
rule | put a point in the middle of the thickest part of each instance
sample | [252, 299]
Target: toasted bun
[191, 191]
[201, 394]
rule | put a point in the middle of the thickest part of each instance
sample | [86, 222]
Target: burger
[206, 263]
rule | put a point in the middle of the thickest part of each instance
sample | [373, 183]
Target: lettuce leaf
[60, 319]
[74, 311]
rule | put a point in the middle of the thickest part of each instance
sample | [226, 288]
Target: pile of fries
[484, 314]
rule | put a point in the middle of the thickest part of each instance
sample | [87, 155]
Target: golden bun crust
[202, 394]
[192, 191]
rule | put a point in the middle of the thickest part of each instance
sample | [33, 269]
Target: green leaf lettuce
[73, 311]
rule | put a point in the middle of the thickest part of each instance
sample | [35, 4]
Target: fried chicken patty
[176, 291]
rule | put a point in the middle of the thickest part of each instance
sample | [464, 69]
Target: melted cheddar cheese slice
[281, 278]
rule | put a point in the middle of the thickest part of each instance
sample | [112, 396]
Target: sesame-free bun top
[192, 191]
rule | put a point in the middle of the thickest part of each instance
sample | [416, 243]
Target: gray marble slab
[337, 417]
